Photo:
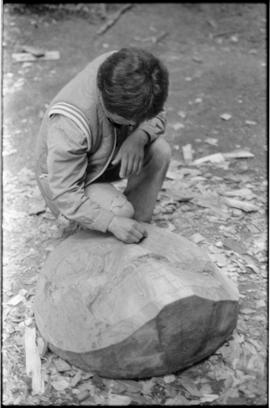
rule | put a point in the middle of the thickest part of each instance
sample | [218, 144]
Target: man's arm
[155, 127]
[131, 153]
[67, 164]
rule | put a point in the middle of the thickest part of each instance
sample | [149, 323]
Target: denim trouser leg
[142, 190]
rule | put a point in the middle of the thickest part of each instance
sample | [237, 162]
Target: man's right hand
[127, 229]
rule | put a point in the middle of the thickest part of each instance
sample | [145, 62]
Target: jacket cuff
[103, 220]
[149, 130]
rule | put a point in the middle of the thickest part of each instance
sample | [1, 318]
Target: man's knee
[109, 198]
[160, 153]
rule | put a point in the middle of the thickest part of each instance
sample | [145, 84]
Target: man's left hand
[131, 154]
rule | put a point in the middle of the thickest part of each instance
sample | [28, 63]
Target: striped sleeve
[76, 115]
[67, 164]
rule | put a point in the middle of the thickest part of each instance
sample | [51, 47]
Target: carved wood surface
[133, 310]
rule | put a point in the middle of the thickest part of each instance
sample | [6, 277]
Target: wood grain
[133, 311]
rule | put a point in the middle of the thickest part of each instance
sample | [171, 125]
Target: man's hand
[127, 230]
[131, 154]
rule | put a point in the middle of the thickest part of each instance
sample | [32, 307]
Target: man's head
[133, 84]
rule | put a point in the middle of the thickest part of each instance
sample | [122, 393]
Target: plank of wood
[32, 361]
[25, 56]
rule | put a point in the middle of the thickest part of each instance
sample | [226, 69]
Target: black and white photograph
[135, 204]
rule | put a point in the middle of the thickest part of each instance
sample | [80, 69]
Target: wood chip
[232, 244]
[197, 58]
[32, 360]
[251, 265]
[147, 386]
[37, 208]
[186, 171]
[15, 300]
[213, 158]
[245, 193]
[76, 379]
[247, 310]
[260, 303]
[170, 227]
[179, 192]
[61, 365]
[219, 259]
[178, 125]
[28, 321]
[187, 153]
[209, 397]
[168, 379]
[191, 388]
[42, 346]
[178, 400]
[115, 399]
[127, 387]
[182, 114]
[83, 395]
[197, 238]
[241, 205]
[212, 201]
[60, 384]
[226, 116]
[212, 141]
[20, 297]
[172, 175]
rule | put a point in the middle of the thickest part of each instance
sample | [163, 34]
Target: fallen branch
[114, 17]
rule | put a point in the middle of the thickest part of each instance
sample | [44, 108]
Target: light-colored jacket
[74, 149]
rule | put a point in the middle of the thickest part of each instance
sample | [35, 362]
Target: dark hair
[133, 84]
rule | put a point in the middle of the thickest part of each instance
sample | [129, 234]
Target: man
[105, 124]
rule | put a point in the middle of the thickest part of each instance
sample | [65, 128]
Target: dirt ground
[216, 57]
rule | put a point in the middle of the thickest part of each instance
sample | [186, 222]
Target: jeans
[142, 190]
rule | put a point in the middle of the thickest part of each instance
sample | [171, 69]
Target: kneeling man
[107, 123]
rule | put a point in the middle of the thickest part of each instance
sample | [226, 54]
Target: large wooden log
[133, 311]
